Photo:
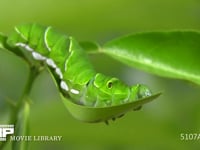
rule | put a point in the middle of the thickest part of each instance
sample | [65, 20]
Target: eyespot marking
[51, 63]
[28, 48]
[59, 73]
[109, 85]
[38, 56]
[45, 38]
[64, 86]
[74, 91]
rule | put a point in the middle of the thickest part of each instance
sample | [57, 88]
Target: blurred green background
[157, 126]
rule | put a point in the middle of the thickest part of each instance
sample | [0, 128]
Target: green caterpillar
[75, 76]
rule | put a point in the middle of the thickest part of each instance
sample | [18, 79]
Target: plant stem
[24, 99]
[34, 71]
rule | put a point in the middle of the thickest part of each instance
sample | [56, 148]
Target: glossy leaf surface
[170, 54]
[93, 114]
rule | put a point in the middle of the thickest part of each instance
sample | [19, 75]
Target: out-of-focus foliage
[157, 126]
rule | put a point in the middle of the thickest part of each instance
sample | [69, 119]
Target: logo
[6, 130]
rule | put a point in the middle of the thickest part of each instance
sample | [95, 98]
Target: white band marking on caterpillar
[71, 53]
[74, 91]
[64, 86]
[28, 48]
[51, 63]
[17, 30]
[45, 38]
[65, 66]
[38, 56]
[58, 72]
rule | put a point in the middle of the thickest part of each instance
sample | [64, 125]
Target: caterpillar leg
[106, 122]
[137, 108]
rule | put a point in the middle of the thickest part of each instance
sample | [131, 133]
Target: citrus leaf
[99, 114]
[2, 40]
[172, 54]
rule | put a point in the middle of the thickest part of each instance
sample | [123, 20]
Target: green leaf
[170, 54]
[21, 127]
[2, 40]
[99, 114]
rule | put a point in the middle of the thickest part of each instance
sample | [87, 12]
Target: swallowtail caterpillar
[74, 74]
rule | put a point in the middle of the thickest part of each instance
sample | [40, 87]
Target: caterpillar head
[108, 91]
